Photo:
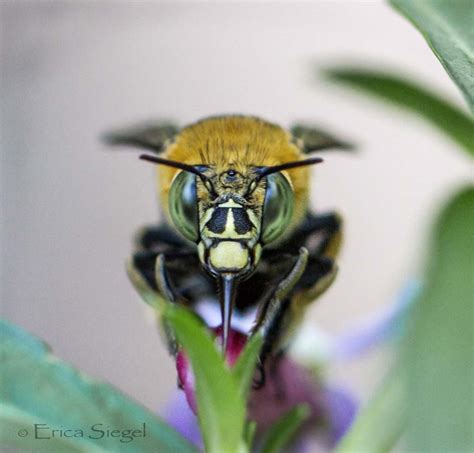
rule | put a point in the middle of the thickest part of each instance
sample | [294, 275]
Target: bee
[237, 230]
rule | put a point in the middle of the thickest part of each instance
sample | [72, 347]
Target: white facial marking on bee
[228, 256]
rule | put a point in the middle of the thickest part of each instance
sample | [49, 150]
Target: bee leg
[164, 288]
[322, 269]
[155, 299]
[325, 271]
[154, 237]
[275, 303]
[162, 280]
[143, 287]
[322, 234]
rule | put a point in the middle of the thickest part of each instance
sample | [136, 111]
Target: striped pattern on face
[230, 220]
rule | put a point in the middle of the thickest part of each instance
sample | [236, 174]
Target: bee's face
[231, 215]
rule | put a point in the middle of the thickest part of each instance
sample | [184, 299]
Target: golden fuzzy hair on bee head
[240, 143]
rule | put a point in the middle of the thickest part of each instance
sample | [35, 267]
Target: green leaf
[380, 423]
[249, 434]
[413, 97]
[431, 392]
[439, 348]
[221, 409]
[38, 388]
[244, 369]
[447, 26]
[283, 430]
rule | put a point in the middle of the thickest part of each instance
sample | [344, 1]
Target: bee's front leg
[157, 237]
[157, 296]
[273, 306]
[162, 280]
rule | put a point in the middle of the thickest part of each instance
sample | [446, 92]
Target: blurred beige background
[70, 71]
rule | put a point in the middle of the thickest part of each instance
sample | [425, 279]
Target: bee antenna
[185, 167]
[286, 166]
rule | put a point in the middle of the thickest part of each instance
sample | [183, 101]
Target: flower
[296, 378]
[286, 385]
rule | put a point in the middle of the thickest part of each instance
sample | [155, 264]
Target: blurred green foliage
[430, 394]
[438, 351]
[380, 424]
[412, 97]
[38, 388]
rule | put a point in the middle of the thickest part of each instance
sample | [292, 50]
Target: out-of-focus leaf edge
[410, 96]
[467, 93]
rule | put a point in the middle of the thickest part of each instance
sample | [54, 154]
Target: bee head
[230, 214]
[228, 196]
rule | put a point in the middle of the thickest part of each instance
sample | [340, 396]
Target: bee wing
[311, 138]
[150, 136]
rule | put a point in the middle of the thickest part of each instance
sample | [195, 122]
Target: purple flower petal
[287, 385]
[179, 415]
[342, 409]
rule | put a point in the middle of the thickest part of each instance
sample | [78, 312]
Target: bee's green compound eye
[277, 208]
[183, 205]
